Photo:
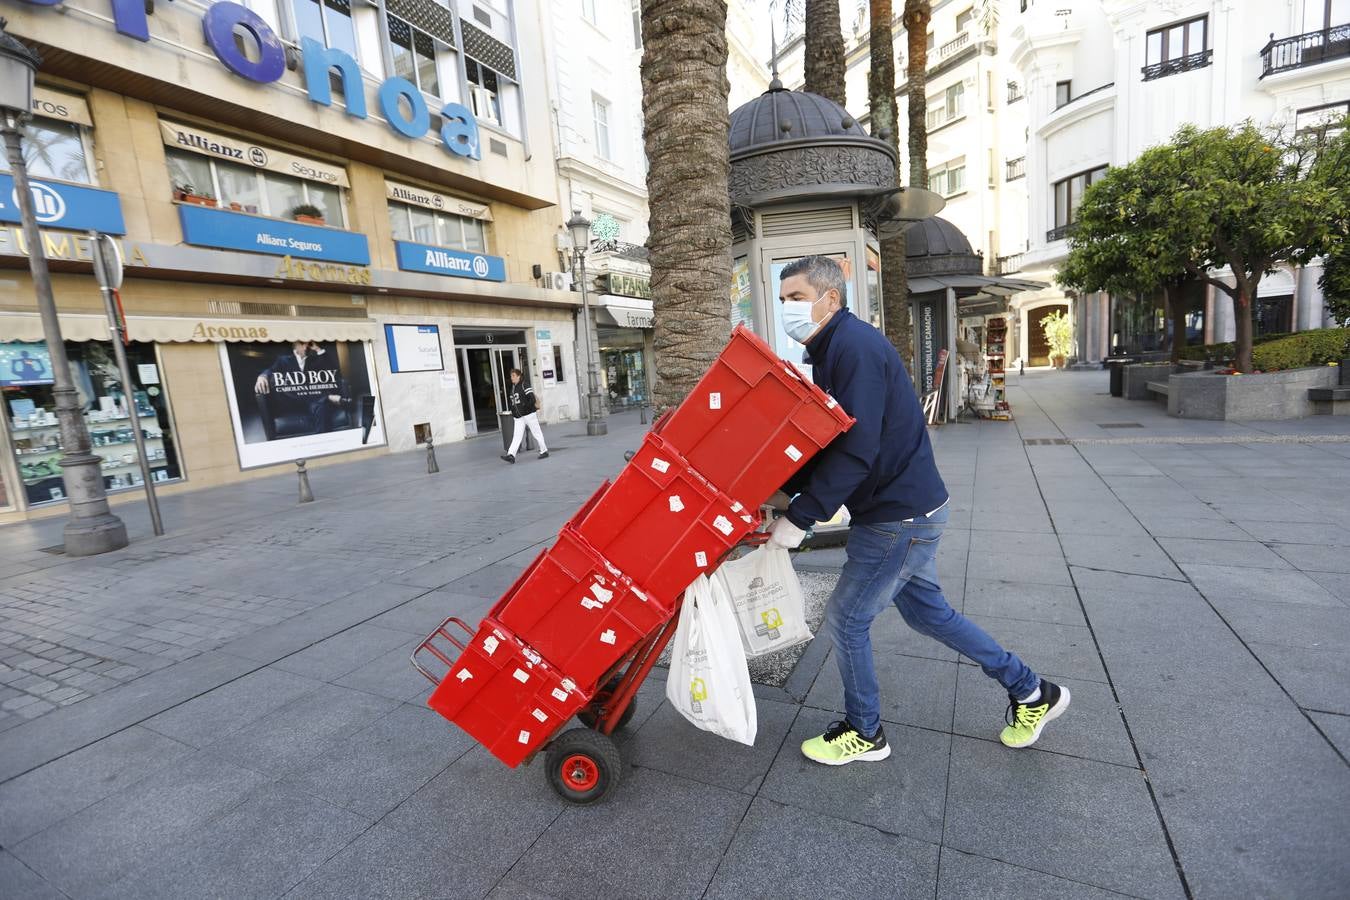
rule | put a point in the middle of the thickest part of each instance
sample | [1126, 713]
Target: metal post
[595, 425]
[432, 467]
[118, 334]
[642, 413]
[92, 527]
[306, 495]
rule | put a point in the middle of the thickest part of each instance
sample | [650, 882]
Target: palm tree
[884, 112]
[824, 51]
[918, 13]
[686, 122]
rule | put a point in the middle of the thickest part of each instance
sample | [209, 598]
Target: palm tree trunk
[918, 13]
[824, 51]
[884, 113]
[686, 121]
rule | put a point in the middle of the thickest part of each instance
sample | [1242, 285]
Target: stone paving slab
[965, 876]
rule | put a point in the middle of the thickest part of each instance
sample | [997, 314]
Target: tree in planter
[1059, 335]
[1335, 282]
[685, 131]
[1248, 200]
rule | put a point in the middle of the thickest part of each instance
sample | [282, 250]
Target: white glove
[782, 533]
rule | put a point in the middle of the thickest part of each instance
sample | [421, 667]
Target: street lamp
[92, 528]
[581, 239]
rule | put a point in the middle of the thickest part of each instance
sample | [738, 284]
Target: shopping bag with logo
[767, 598]
[709, 681]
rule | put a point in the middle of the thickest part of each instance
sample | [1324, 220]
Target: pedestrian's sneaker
[544, 455]
[1025, 720]
[843, 744]
[509, 458]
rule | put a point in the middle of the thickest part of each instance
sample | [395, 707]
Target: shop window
[1069, 195]
[948, 179]
[246, 189]
[1177, 41]
[413, 53]
[31, 408]
[327, 21]
[1063, 93]
[1273, 315]
[963, 19]
[600, 110]
[637, 25]
[484, 91]
[424, 226]
[558, 364]
[54, 150]
[1327, 117]
[956, 101]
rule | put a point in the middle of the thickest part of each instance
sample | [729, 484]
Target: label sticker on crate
[540, 715]
[676, 504]
[660, 465]
[569, 685]
[722, 524]
[464, 675]
[490, 644]
[715, 400]
[520, 675]
[560, 695]
[534, 658]
[608, 636]
[793, 453]
[524, 737]
[736, 507]
[602, 596]
[830, 402]
[701, 559]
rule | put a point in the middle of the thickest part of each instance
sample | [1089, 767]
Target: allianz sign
[459, 131]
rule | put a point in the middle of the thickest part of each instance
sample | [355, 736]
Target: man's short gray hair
[822, 273]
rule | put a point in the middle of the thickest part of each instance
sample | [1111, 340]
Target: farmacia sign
[459, 133]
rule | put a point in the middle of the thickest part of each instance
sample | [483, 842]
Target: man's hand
[782, 533]
[334, 398]
[778, 501]
[261, 386]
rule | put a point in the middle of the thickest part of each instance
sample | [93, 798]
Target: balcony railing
[1015, 168]
[1180, 64]
[1007, 265]
[954, 46]
[1060, 233]
[1305, 49]
[1014, 92]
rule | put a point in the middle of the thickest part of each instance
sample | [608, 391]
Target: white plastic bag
[709, 681]
[767, 598]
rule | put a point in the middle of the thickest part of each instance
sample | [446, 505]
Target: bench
[1330, 401]
[1160, 388]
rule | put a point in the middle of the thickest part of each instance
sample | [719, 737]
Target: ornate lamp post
[92, 528]
[580, 227]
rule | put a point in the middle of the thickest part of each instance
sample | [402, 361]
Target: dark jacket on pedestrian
[522, 400]
[882, 468]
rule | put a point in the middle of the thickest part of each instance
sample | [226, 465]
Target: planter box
[1253, 398]
[1138, 376]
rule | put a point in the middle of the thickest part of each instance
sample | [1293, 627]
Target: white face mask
[797, 321]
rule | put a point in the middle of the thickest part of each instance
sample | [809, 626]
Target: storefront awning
[184, 329]
[624, 312]
[991, 285]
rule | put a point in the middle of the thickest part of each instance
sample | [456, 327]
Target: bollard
[642, 412]
[432, 468]
[306, 495]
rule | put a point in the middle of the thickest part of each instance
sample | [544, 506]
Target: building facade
[333, 218]
[1106, 79]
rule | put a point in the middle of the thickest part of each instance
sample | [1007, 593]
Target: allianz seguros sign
[65, 206]
[459, 131]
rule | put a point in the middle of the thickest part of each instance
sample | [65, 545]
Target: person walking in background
[525, 410]
[883, 470]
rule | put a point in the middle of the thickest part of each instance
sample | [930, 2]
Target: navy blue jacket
[882, 468]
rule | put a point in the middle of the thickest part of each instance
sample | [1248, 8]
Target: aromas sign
[230, 28]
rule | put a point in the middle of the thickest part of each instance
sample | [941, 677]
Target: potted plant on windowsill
[308, 213]
[186, 193]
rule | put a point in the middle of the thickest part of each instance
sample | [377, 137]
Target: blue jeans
[896, 562]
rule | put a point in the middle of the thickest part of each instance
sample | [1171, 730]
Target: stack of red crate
[616, 572]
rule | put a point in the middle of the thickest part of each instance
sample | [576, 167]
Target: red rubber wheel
[583, 766]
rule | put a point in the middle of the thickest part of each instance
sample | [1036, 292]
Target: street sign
[112, 262]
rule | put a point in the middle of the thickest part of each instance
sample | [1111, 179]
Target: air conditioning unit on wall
[557, 281]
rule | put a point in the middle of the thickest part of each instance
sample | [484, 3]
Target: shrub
[1307, 348]
[1226, 351]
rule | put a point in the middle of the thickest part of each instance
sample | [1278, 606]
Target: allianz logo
[49, 207]
[478, 265]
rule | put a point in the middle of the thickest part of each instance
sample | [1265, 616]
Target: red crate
[504, 695]
[662, 523]
[752, 421]
[578, 610]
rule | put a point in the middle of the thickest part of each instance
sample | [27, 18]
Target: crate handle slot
[429, 646]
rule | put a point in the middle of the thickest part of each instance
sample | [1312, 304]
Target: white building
[593, 54]
[1106, 79]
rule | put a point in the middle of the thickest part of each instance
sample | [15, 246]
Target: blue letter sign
[67, 206]
[222, 228]
[440, 261]
[218, 27]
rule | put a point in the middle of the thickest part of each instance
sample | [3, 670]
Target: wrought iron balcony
[1305, 49]
[1015, 168]
[1007, 265]
[1180, 64]
[1060, 233]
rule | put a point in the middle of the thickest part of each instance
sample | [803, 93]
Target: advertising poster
[414, 348]
[301, 399]
[24, 364]
[742, 304]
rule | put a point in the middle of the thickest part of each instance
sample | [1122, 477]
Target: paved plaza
[228, 711]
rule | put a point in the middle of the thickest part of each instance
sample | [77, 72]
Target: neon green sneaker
[842, 744]
[1025, 720]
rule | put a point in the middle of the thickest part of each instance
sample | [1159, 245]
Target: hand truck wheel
[590, 715]
[583, 766]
